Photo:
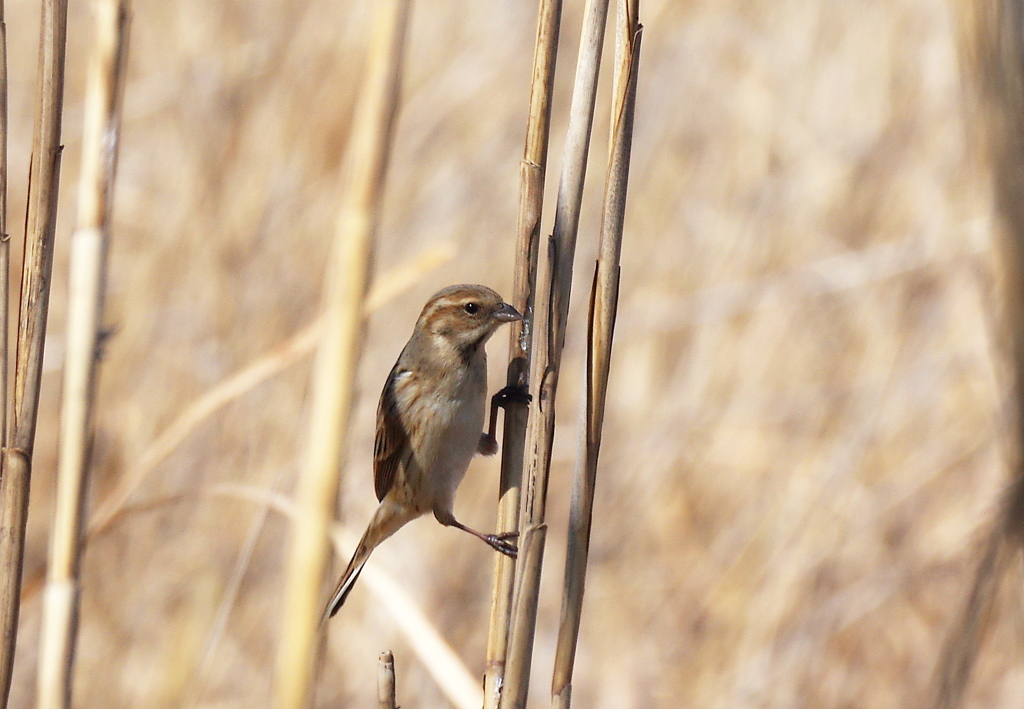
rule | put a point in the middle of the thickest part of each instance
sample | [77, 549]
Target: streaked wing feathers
[391, 446]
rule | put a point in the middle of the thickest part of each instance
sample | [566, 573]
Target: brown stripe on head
[462, 317]
[457, 296]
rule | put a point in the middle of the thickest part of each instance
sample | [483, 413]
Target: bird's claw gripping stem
[500, 542]
[509, 396]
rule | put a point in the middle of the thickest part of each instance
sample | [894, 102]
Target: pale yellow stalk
[85, 308]
[549, 338]
[347, 278]
[603, 304]
[531, 195]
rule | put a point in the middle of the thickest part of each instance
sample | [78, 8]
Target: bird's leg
[498, 542]
[504, 398]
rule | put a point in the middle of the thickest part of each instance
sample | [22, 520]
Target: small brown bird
[430, 420]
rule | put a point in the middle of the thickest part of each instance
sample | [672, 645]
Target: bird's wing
[391, 447]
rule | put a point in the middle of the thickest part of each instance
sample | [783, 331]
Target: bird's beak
[506, 313]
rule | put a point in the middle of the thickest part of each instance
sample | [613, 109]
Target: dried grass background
[806, 437]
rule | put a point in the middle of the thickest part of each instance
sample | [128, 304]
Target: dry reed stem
[601, 326]
[87, 284]
[429, 646]
[531, 195]
[35, 293]
[347, 278]
[550, 337]
[386, 681]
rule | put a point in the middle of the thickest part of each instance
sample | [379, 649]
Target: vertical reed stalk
[531, 196]
[386, 681]
[35, 293]
[604, 298]
[87, 284]
[550, 337]
[338, 353]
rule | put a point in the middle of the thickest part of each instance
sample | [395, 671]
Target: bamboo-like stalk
[87, 284]
[531, 195]
[338, 353]
[547, 348]
[386, 681]
[604, 298]
[40, 224]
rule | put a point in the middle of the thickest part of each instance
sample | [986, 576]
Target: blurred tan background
[805, 441]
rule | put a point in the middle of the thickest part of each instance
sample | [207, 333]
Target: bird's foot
[500, 542]
[511, 395]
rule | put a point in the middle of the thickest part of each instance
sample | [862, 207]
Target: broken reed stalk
[992, 47]
[547, 345]
[531, 196]
[347, 278]
[40, 224]
[386, 681]
[604, 297]
[86, 287]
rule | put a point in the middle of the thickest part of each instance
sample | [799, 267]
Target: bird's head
[464, 317]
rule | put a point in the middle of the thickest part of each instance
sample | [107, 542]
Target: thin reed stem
[547, 348]
[338, 353]
[604, 298]
[386, 681]
[531, 195]
[87, 284]
[40, 224]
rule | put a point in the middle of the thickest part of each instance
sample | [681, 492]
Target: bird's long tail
[387, 520]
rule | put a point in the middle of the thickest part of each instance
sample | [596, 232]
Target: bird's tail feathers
[348, 580]
[387, 520]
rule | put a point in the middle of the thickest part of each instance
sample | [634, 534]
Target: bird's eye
[471, 308]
